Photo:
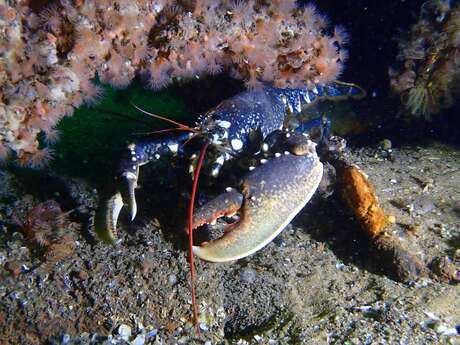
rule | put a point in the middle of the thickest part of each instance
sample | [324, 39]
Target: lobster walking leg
[135, 155]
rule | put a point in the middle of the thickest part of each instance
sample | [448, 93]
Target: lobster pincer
[267, 199]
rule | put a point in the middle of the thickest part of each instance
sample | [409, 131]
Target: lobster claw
[273, 194]
[110, 208]
[128, 185]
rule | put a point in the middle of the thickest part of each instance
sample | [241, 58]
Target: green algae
[92, 138]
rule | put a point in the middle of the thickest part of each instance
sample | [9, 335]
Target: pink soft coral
[53, 55]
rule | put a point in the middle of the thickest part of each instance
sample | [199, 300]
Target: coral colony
[431, 59]
[50, 56]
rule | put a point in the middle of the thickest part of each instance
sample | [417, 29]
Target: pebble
[391, 219]
[457, 254]
[386, 144]
[444, 330]
[339, 265]
[172, 279]
[82, 275]
[423, 206]
[204, 327]
[124, 331]
[13, 267]
[139, 340]
[65, 339]
[183, 340]
[152, 334]
[248, 275]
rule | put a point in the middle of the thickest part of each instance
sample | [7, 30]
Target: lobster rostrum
[243, 121]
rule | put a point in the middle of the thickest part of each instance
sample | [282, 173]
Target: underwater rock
[359, 195]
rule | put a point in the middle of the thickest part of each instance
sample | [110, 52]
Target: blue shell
[264, 109]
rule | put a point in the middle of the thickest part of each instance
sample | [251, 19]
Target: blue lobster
[270, 195]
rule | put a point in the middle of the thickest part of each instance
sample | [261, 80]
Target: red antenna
[178, 124]
[167, 130]
[190, 234]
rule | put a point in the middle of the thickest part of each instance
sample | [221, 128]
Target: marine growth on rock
[50, 56]
[428, 79]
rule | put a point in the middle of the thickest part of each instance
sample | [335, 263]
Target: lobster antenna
[167, 130]
[123, 116]
[190, 234]
[156, 116]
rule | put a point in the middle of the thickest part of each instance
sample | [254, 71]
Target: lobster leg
[295, 99]
[323, 122]
[136, 154]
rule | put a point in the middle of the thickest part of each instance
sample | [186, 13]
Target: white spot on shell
[173, 147]
[298, 106]
[237, 144]
[228, 189]
[265, 147]
[129, 175]
[215, 172]
[223, 124]
[215, 138]
[251, 168]
[157, 156]
[277, 154]
[220, 160]
[286, 152]
[263, 161]
[133, 159]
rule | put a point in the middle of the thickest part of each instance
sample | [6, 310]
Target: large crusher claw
[272, 195]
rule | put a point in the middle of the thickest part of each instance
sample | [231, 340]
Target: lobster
[230, 128]
[257, 122]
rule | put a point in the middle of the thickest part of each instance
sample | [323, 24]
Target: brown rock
[13, 267]
[360, 196]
